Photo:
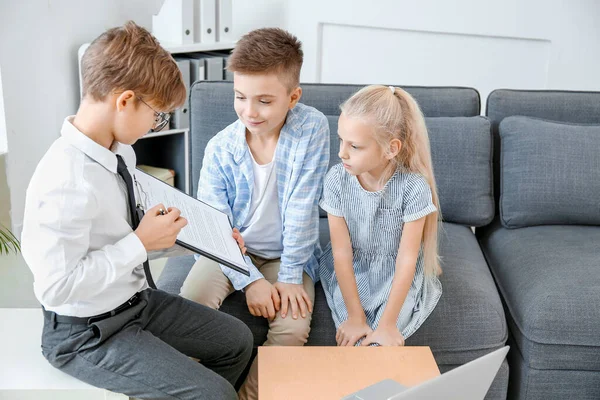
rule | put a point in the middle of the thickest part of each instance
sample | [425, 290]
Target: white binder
[208, 19]
[224, 21]
[181, 116]
[174, 23]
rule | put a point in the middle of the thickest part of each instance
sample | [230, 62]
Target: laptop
[470, 381]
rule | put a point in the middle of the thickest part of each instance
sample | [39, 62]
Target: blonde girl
[380, 271]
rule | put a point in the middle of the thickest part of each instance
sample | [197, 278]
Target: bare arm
[343, 264]
[406, 261]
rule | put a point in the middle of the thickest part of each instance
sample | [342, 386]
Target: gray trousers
[144, 351]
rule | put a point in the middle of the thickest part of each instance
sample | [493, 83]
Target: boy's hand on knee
[262, 298]
[295, 297]
[159, 230]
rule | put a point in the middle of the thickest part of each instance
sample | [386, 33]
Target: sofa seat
[548, 277]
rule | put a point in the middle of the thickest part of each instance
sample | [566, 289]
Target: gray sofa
[543, 248]
[469, 320]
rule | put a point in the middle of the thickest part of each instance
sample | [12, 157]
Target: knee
[289, 332]
[201, 294]
[244, 340]
[218, 389]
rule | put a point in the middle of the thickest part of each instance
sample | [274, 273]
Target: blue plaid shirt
[301, 160]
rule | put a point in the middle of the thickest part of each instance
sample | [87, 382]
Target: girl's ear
[394, 149]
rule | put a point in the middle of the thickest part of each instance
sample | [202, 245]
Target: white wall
[38, 56]
[3, 140]
[534, 44]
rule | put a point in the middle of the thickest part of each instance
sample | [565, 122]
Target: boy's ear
[295, 97]
[124, 99]
[394, 149]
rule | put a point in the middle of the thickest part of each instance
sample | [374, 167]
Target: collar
[103, 156]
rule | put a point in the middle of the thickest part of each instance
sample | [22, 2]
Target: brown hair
[269, 50]
[130, 58]
[395, 114]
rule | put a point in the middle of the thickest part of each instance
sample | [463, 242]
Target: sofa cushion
[211, 105]
[550, 173]
[555, 105]
[461, 149]
[548, 277]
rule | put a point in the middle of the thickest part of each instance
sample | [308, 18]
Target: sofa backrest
[461, 147]
[554, 105]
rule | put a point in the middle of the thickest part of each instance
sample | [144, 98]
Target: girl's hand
[351, 331]
[384, 336]
[239, 239]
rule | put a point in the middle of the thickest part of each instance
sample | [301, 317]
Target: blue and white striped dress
[375, 221]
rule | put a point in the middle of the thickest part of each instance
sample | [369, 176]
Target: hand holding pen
[159, 227]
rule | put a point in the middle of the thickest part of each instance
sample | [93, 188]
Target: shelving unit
[164, 149]
[197, 47]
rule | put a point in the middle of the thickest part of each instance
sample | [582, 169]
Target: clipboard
[205, 233]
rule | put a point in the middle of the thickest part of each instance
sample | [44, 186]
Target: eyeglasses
[161, 119]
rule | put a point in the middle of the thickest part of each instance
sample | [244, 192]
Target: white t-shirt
[263, 231]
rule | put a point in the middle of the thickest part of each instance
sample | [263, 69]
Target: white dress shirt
[76, 237]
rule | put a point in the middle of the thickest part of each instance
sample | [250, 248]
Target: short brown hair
[268, 50]
[130, 58]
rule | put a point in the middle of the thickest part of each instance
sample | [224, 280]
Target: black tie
[135, 219]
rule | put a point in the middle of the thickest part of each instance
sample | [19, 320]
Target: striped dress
[375, 221]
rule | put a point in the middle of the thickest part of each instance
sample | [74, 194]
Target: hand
[239, 239]
[384, 336]
[295, 296]
[262, 298]
[351, 331]
[157, 231]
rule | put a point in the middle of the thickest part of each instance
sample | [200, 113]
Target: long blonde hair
[396, 115]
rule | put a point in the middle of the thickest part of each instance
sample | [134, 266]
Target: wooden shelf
[163, 133]
[196, 47]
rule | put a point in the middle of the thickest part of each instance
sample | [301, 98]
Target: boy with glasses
[104, 322]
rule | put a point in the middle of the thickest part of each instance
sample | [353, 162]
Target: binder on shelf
[197, 70]
[174, 23]
[208, 18]
[181, 117]
[228, 74]
[224, 21]
[214, 64]
[214, 69]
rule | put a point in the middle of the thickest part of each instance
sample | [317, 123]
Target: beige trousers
[207, 284]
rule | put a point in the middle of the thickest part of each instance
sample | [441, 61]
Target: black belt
[65, 319]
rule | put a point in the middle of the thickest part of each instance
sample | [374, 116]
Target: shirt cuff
[330, 210]
[418, 215]
[287, 277]
[239, 280]
[131, 244]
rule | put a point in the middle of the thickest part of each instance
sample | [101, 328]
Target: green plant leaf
[8, 241]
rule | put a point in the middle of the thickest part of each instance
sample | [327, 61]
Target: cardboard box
[321, 372]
